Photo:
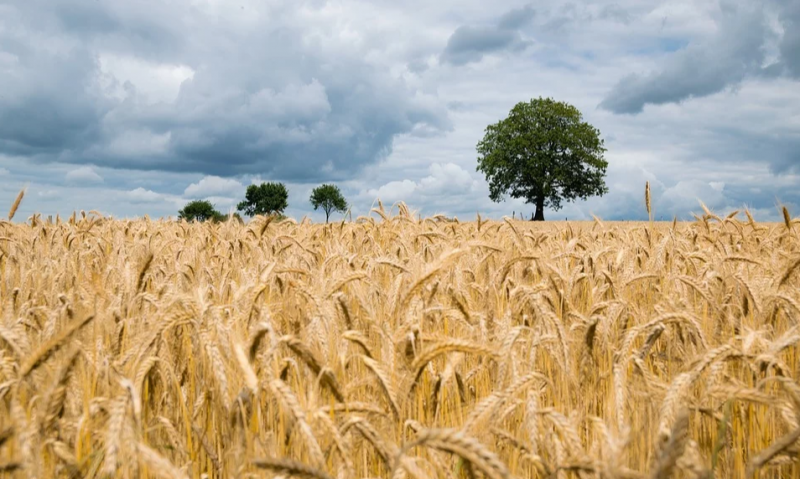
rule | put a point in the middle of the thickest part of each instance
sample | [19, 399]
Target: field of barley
[394, 347]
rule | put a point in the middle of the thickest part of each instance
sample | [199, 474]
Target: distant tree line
[270, 198]
[543, 153]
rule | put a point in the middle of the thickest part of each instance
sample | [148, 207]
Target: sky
[134, 108]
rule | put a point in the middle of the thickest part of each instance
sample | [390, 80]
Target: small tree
[263, 199]
[199, 210]
[329, 198]
[543, 152]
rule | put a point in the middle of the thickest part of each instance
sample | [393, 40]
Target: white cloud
[214, 186]
[445, 185]
[157, 82]
[85, 175]
[4, 172]
[686, 195]
[135, 142]
[222, 203]
[47, 194]
[141, 195]
[394, 191]
[447, 179]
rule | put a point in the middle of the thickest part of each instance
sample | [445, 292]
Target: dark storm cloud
[699, 69]
[779, 150]
[265, 100]
[47, 104]
[85, 18]
[734, 53]
[517, 18]
[616, 13]
[469, 43]
[790, 44]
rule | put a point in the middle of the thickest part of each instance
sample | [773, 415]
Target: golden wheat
[399, 346]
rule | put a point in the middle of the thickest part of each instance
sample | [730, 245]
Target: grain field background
[397, 347]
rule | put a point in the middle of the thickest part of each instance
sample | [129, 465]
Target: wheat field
[399, 347]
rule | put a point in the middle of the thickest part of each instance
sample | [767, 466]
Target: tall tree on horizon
[545, 153]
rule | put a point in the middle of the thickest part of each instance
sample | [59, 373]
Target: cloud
[223, 204]
[154, 82]
[737, 51]
[394, 191]
[616, 13]
[687, 194]
[118, 86]
[517, 18]
[700, 69]
[790, 42]
[85, 175]
[469, 44]
[3, 172]
[214, 186]
[359, 94]
[142, 195]
[48, 193]
[445, 184]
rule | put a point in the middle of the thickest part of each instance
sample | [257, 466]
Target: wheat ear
[776, 448]
[291, 468]
[15, 204]
[447, 346]
[456, 442]
[788, 273]
[6, 434]
[51, 347]
[787, 218]
[158, 464]
[261, 331]
[143, 271]
[671, 448]
[292, 406]
[383, 378]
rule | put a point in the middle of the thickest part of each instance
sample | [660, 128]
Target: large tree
[329, 198]
[264, 199]
[199, 210]
[545, 153]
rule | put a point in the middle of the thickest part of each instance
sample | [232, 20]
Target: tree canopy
[200, 210]
[545, 153]
[329, 198]
[264, 199]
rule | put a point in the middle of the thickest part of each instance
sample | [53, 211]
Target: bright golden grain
[394, 347]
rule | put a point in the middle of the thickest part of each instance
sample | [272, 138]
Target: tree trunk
[539, 209]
